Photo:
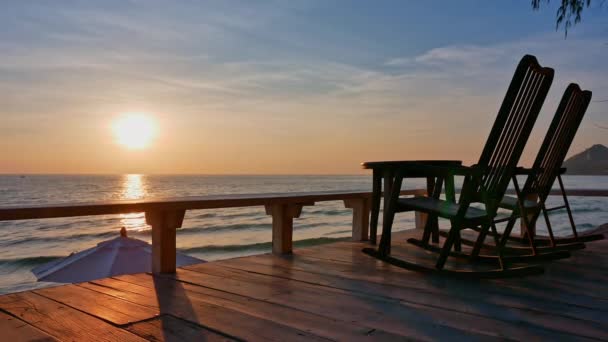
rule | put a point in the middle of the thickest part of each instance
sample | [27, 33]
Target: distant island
[592, 161]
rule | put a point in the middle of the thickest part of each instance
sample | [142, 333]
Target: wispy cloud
[209, 74]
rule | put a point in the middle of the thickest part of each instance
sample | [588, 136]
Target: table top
[401, 163]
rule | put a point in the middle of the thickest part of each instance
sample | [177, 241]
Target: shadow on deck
[326, 292]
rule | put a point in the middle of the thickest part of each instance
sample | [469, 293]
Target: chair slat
[512, 128]
[558, 140]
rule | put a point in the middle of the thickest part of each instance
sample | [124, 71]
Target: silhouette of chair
[484, 183]
[530, 200]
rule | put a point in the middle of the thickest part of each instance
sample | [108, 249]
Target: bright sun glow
[134, 130]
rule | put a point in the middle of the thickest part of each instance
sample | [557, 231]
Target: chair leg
[480, 240]
[457, 243]
[529, 233]
[384, 248]
[434, 186]
[498, 247]
[548, 223]
[447, 245]
[390, 207]
[507, 232]
[524, 215]
[563, 190]
[375, 209]
[435, 230]
[428, 230]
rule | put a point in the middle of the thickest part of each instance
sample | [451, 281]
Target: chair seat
[509, 202]
[439, 207]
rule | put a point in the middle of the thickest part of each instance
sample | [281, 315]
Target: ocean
[207, 234]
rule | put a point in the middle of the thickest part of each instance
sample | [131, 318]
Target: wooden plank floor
[328, 292]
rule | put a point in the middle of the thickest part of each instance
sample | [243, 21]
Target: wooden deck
[328, 292]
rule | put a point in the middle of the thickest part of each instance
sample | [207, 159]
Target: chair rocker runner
[530, 200]
[484, 183]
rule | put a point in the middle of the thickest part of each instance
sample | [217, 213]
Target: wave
[330, 212]
[30, 262]
[65, 238]
[225, 227]
[228, 215]
[575, 210]
[203, 216]
[27, 262]
[586, 209]
[147, 232]
[245, 226]
[260, 246]
[339, 232]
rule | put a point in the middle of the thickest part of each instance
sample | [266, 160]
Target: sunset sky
[276, 87]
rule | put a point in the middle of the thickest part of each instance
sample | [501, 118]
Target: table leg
[433, 188]
[376, 193]
[385, 240]
[450, 196]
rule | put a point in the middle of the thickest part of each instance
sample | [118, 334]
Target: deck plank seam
[26, 323]
[413, 288]
[406, 303]
[510, 286]
[530, 327]
[120, 298]
[426, 292]
[301, 332]
[41, 328]
[254, 299]
[151, 319]
[120, 326]
[368, 329]
[127, 325]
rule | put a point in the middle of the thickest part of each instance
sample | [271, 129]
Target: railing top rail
[20, 212]
[178, 204]
[582, 192]
[574, 192]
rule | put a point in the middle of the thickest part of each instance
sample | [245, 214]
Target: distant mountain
[592, 161]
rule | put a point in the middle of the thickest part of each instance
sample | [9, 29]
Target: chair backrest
[511, 130]
[561, 133]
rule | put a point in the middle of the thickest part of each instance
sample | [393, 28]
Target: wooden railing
[166, 215]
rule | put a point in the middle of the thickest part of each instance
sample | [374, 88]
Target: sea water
[210, 234]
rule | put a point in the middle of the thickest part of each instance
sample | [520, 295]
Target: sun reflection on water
[133, 188]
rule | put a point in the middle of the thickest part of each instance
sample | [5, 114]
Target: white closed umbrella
[121, 255]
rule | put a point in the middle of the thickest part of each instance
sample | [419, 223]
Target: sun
[134, 130]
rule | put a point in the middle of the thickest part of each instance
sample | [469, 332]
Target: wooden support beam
[282, 225]
[164, 223]
[361, 208]
[420, 218]
[534, 198]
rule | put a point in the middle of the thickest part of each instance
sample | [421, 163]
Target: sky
[278, 87]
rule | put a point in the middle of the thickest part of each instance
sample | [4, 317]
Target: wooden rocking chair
[484, 183]
[530, 200]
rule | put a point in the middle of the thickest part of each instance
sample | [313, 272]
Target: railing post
[361, 209]
[522, 223]
[282, 225]
[164, 223]
[420, 217]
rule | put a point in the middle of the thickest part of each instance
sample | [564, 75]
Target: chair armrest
[430, 170]
[523, 171]
[396, 164]
[529, 171]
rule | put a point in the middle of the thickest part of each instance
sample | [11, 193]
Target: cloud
[210, 75]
